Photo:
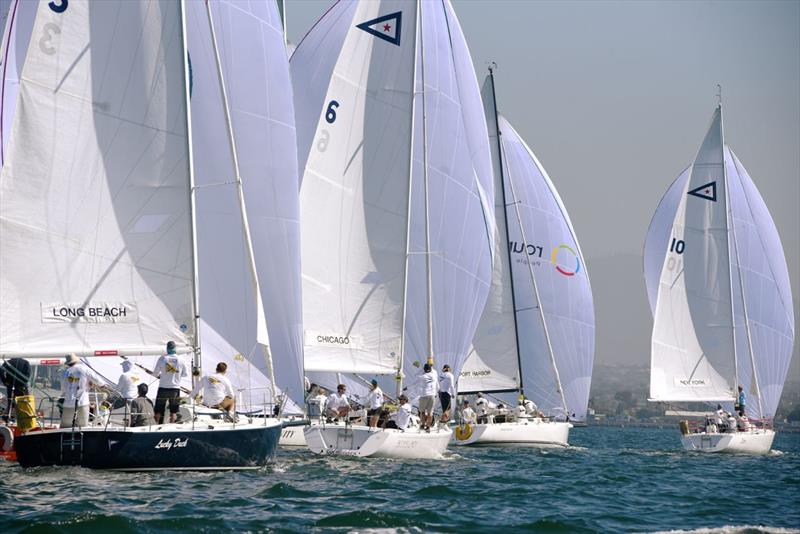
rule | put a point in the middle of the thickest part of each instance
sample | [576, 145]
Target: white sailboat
[98, 254]
[389, 194]
[718, 286]
[536, 334]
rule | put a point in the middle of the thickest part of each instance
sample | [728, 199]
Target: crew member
[169, 370]
[217, 390]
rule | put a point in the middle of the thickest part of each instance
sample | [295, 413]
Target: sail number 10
[677, 246]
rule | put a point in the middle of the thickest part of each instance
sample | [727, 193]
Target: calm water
[612, 480]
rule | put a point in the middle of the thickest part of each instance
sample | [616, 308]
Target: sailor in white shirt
[75, 384]
[447, 392]
[401, 417]
[316, 403]
[169, 369]
[530, 408]
[374, 404]
[467, 413]
[484, 408]
[128, 382]
[337, 405]
[428, 386]
[217, 390]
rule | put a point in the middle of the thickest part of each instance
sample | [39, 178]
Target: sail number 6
[330, 114]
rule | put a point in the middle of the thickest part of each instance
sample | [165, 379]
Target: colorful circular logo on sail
[559, 268]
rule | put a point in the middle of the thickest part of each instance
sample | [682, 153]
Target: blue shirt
[741, 398]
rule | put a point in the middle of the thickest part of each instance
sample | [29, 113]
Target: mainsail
[396, 190]
[259, 99]
[355, 186]
[550, 287]
[759, 280]
[693, 354]
[95, 217]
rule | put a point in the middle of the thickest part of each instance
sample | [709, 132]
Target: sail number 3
[50, 29]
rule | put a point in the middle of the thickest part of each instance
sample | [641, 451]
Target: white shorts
[81, 420]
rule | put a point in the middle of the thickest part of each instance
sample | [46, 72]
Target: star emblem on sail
[706, 191]
[386, 27]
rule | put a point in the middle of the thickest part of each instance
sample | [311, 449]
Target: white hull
[521, 433]
[362, 441]
[750, 442]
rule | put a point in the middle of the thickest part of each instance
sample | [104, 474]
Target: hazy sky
[615, 97]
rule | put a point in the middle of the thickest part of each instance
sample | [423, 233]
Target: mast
[505, 218]
[242, 206]
[515, 202]
[192, 191]
[728, 221]
[401, 356]
[425, 180]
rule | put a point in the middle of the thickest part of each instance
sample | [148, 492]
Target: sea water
[609, 480]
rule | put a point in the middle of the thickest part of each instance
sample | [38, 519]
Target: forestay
[450, 268]
[95, 232]
[692, 355]
[19, 16]
[256, 76]
[545, 251]
[355, 186]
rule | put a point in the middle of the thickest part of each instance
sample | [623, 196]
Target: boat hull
[362, 441]
[523, 433]
[165, 447]
[751, 442]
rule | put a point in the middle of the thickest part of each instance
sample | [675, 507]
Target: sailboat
[718, 286]
[536, 335]
[98, 205]
[396, 244]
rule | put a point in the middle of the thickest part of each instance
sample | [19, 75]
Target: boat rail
[708, 425]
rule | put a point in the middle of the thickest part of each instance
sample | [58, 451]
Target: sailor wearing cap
[402, 416]
[75, 384]
[169, 369]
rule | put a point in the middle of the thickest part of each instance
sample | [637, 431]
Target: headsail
[450, 268]
[693, 352]
[259, 98]
[95, 231]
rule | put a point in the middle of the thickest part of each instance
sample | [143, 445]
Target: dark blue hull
[243, 447]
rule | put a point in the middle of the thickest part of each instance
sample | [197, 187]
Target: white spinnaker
[354, 195]
[692, 355]
[551, 254]
[19, 20]
[493, 364]
[451, 152]
[764, 289]
[94, 195]
[256, 71]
